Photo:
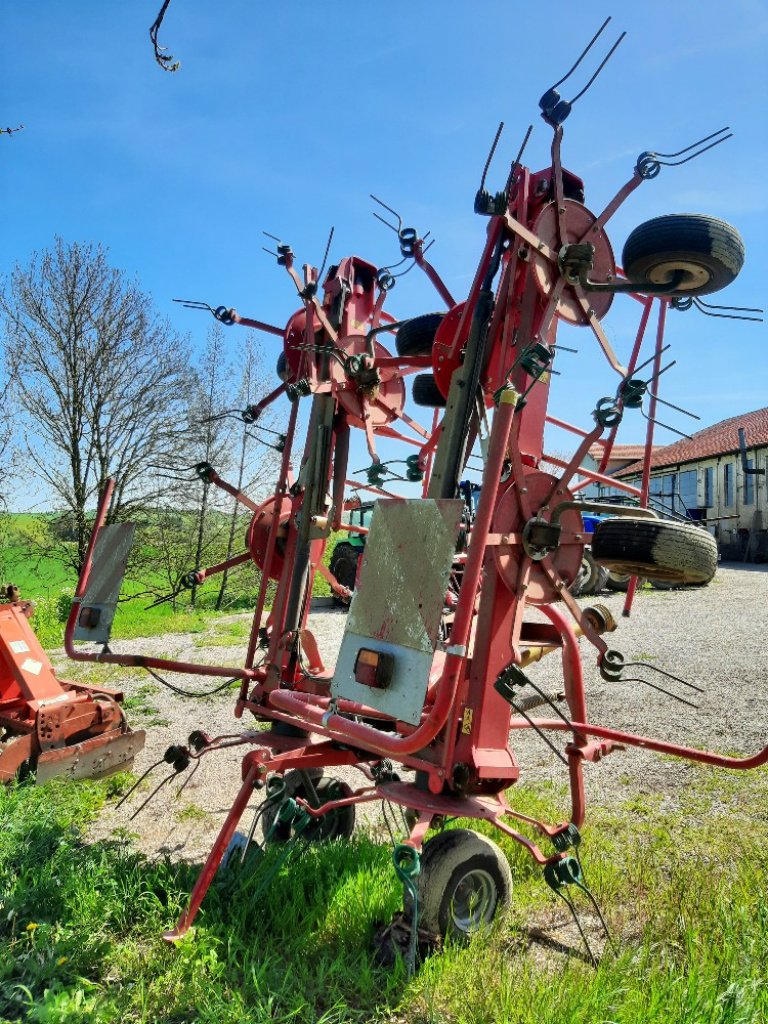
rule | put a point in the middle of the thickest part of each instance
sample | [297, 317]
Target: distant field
[43, 577]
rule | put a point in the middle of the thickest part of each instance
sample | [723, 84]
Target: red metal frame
[461, 747]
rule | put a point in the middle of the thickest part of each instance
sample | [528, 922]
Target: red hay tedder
[449, 608]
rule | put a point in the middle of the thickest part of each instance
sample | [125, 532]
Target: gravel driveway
[714, 637]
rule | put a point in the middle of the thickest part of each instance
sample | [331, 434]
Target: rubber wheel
[338, 824]
[620, 580]
[416, 336]
[282, 367]
[591, 578]
[710, 250]
[426, 392]
[343, 565]
[464, 880]
[657, 550]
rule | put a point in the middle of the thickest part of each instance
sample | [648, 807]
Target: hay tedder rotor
[449, 608]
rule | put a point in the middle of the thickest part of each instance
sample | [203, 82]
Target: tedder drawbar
[452, 601]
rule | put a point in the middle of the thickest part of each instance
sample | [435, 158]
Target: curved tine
[391, 266]
[194, 304]
[325, 257]
[653, 686]
[651, 419]
[494, 144]
[706, 310]
[600, 68]
[574, 914]
[650, 360]
[518, 158]
[661, 671]
[139, 782]
[188, 779]
[715, 305]
[393, 212]
[385, 222]
[590, 896]
[701, 142]
[677, 408]
[409, 269]
[584, 52]
[679, 163]
[154, 793]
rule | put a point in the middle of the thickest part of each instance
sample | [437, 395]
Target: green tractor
[346, 556]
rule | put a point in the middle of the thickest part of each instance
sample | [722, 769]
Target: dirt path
[714, 637]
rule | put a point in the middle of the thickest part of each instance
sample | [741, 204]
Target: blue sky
[285, 116]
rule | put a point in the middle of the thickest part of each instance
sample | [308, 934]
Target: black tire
[591, 577]
[343, 565]
[619, 580]
[338, 824]
[710, 250]
[416, 336]
[655, 549]
[464, 880]
[426, 392]
[282, 367]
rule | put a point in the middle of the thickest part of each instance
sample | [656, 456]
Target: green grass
[683, 892]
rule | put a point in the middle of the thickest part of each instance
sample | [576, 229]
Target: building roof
[720, 439]
[620, 452]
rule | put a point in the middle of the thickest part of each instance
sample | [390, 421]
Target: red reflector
[374, 668]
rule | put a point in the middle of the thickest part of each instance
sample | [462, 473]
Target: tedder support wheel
[655, 549]
[464, 881]
[591, 578]
[338, 824]
[343, 565]
[282, 367]
[710, 251]
[416, 336]
[426, 392]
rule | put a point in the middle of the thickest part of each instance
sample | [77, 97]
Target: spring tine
[138, 782]
[714, 305]
[536, 729]
[693, 145]
[188, 779]
[661, 689]
[569, 903]
[154, 793]
[650, 360]
[269, 251]
[727, 316]
[194, 304]
[325, 257]
[548, 700]
[666, 426]
[679, 163]
[494, 144]
[600, 68]
[677, 408]
[663, 672]
[251, 832]
[655, 376]
[584, 52]
[273, 237]
[393, 212]
[585, 889]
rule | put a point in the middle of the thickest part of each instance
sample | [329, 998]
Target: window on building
[709, 486]
[728, 482]
[749, 484]
[687, 489]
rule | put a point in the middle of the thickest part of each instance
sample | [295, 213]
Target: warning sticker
[19, 647]
[32, 666]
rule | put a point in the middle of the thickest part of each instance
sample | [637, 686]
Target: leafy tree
[101, 381]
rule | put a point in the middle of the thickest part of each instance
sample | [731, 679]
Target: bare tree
[257, 448]
[101, 381]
